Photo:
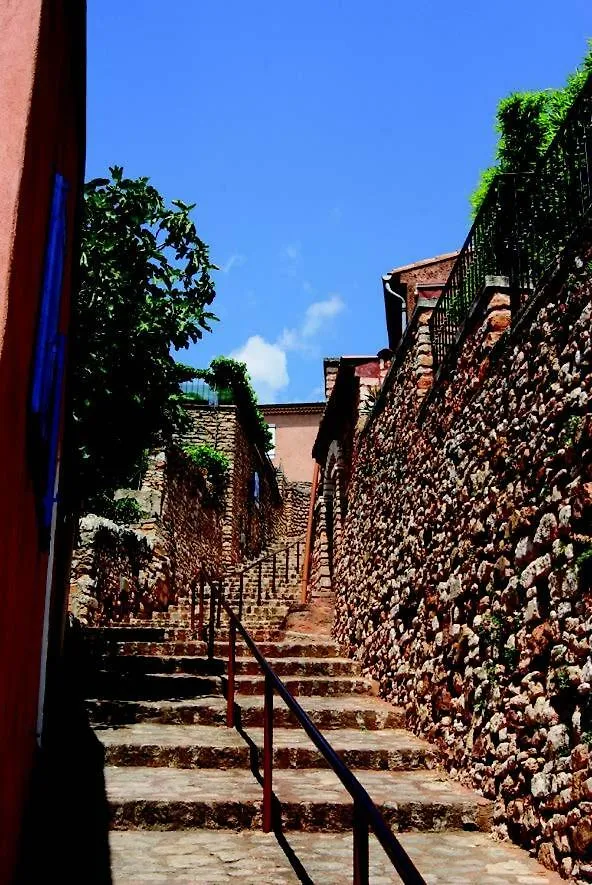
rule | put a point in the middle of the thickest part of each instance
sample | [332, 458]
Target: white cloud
[316, 316]
[320, 311]
[235, 260]
[267, 365]
[291, 252]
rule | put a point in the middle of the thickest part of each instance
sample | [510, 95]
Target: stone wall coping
[192, 406]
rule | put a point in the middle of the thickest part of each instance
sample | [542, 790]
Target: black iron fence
[199, 391]
[523, 227]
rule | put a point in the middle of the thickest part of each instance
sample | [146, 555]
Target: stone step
[311, 800]
[225, 857]
[153, 686]
[279, 648]
[201, 664]
[164, 664]
[308, 686]
[358, 711]
[202, 746]
[301, 666]
[179, 648]
[125, 633]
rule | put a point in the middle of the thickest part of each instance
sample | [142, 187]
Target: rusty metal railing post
[193, 583]
[212, 624]
[268, 756]
[361, 860]
[231, 670]
[219, 606]
[241, 583]
[259, 577]
[200, 617]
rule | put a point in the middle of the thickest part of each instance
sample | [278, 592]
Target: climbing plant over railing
[227, 375]
[523, 227]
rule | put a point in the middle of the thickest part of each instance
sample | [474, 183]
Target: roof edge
[422, 263]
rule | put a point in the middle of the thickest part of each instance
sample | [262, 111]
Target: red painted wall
[41, 131]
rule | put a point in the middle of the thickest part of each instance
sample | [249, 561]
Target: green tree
[526, 123]
[145, 286]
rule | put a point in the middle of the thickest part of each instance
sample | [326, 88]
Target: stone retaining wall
[128, 572]
[463, 572]
[249, 524]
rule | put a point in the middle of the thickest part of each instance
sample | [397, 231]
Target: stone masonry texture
[139, 571]
[463, 570]
[248, 526]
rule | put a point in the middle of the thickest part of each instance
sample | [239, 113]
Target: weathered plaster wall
[463, 578]
[41, 130]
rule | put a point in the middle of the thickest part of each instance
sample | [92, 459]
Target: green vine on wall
[225, 374]
[214, 465]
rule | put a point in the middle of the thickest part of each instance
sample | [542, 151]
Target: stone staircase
[276, 601]
[185, 791]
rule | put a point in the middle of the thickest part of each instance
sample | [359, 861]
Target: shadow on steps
[66, 829]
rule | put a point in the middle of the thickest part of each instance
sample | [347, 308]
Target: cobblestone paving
[220, 857]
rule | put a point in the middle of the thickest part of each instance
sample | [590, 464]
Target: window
[271, 452]
[256, 489]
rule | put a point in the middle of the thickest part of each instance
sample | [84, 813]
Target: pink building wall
[296, 430]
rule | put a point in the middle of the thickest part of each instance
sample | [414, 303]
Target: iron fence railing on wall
[553, 205]
[522, 228]
[199, 391]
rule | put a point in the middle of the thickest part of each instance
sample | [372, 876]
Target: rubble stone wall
[121, 573]
[296, 503]
[464, 572]
[106, 567]
[192, 525]
[248, 524]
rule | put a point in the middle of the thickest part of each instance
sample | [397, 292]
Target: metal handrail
[366, 814]
[285, 550]
[197, 603]
[295, 542]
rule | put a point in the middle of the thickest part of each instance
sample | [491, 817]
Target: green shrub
[526, 123]
[231, 379]
[123, 511]
[214, 464]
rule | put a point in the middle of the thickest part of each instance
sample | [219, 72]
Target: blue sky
[324, 142]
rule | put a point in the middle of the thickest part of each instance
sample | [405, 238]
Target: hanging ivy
[232, 381]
